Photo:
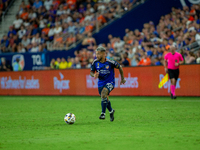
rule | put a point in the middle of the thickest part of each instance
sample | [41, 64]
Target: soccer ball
[70, 118]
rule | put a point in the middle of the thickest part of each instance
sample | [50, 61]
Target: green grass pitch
[141, 123]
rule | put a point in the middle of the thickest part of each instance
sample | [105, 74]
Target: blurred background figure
[16, 65]
[4, 66]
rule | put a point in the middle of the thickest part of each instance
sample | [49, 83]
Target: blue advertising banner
[35, 61]
[27, 61]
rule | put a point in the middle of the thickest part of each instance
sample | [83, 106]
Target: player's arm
[93, 70]
[94, 74]
[165, 63]
[122, 75]
[181, 61]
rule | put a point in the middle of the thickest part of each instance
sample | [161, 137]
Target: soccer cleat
[102, 116]
[112, 115]
[172, 97]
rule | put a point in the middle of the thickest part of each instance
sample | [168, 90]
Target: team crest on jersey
[107, 67]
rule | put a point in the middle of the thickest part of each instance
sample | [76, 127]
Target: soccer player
[172, 61]
[103, 69]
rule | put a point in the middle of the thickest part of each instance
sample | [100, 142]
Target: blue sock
[104, 105]
[109, 106]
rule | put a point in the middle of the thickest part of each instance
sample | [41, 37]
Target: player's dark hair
[102, 49]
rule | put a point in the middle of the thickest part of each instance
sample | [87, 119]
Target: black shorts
[173, 73]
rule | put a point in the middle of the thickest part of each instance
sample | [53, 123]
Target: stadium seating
[149, 46]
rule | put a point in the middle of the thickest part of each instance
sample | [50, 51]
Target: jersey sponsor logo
[21, 60]
[20, 83]
[61, 84]
[104, 71]
[168, 83]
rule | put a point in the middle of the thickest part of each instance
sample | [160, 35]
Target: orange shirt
[102, 19]
[191, 18]
[1, 6]
[167, 47]
[130, 41]
[82, 19]
[71, 39]
[113, 45]
[59, 40]
[145, 62]
[45, 30]
[56, 4]
[89, 28]
[129, 61]
[24, 16]
[28, 6]
[71, 3]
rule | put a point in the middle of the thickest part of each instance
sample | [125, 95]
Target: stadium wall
[141, 81]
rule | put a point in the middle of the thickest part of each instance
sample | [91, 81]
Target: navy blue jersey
[106, 71]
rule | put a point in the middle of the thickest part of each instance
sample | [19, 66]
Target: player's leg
[104, 101]
[173, 82]
[111, 111]
[110, 87]
[176, 75]
[109, 104]
[173, 86]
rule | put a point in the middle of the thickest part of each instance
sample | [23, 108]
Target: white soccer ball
[70, 118]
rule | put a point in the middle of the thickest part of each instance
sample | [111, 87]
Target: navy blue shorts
[109, 86]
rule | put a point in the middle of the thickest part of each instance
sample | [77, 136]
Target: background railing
[6, 10]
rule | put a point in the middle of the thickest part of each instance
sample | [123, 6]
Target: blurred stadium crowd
[64, 22]
[61, 22]
[149, 46]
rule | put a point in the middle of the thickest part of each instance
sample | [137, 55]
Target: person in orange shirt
[56, 3]
[166, 50]
[24, 15]
[145, 61]
[58, 41]
[101, 19]
[71, 3]
[88, 28]
[45, 30]
[89, 40]
[70, 40]
[192, 13]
